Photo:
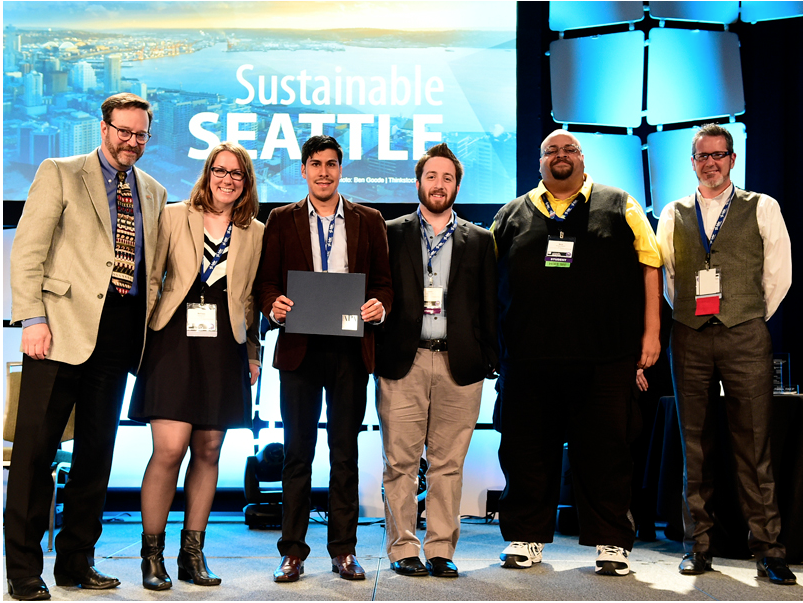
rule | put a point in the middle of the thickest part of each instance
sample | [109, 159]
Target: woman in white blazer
[202, 355]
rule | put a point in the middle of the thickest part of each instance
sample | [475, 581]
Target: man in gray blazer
[80, 264]
[436, 348]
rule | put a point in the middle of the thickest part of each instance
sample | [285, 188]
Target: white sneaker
[519, 555]
[612, 560]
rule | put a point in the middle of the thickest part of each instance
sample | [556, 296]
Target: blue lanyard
[433, 251]
[707, 243]
[326, 246]
[205, 274]
[551, 211]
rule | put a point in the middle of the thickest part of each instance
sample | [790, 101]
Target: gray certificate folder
[325, 303]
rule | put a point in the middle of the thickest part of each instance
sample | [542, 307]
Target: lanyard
[205, 274]
[707, 243]
[326, 246]
[551, 211]
[433, 251]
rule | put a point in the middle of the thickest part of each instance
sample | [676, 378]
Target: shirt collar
[338, 211]
[536, 194]
[720, 198]
[451, 221]
[109, 173]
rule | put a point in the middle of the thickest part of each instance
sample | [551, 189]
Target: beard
[121, 158]
[713, 183]
[563, 174]
[433, 206]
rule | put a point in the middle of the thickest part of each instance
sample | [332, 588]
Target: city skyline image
[384, 94]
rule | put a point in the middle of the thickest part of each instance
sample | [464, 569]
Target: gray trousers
[741, 357]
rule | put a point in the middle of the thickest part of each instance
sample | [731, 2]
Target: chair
[61, 464]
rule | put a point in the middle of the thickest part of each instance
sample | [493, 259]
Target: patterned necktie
[123, 273]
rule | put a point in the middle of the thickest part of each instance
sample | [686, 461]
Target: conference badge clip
[559, 252]
[201, 320]
[709, 292]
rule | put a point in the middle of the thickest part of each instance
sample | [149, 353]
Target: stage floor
[245, 560]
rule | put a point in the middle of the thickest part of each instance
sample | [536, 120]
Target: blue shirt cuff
[34, 321]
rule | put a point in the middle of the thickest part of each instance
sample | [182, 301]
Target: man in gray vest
[579, 311]
[728, 266]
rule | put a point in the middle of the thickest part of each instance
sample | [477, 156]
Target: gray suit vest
[738, 252]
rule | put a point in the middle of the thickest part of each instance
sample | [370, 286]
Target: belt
[714, 321]
[434, 345]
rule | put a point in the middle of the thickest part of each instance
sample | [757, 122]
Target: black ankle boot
[191, 561]
[154, 574]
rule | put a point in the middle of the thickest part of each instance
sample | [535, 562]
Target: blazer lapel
[301, 219]
[237, 236]
[195, 220]
[352, 234]
[458, 246]
[150, 217]
[93, 180]
[412, 241]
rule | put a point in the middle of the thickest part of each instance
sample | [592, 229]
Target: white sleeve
[777, 276]
[665, 234]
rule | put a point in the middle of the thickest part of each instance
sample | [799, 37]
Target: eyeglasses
[219, 172]
[569, 149]
[701, 157]
[122, 134]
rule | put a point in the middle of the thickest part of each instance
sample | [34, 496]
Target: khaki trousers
[425, 409]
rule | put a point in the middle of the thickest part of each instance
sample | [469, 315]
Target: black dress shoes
[348, 567]
[409, 566]
[694, 564]
[28, 589]
[441, 567]
[289, 570]
[776, 570]
[91, 579]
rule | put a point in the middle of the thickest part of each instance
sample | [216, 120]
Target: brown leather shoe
[289, 570]
[348, 567]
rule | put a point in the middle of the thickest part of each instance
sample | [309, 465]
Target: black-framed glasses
[569, 149]
[124, 135]
[701, 157]
[219, 172]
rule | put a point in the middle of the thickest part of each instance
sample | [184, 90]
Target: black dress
[199, 380]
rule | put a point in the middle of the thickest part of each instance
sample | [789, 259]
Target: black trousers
[592, 405]
[48, 392]
[741, 357]
[333, 364]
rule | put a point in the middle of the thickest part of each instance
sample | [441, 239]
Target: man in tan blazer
[80, 263]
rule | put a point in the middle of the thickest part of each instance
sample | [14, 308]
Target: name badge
[433, 300]
[201, 320]
[559, 252]
[708, 292]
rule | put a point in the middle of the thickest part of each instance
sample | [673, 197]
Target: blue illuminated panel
[576, 15]
[701, 12]
[671, 173]
[767, 11]
[615, 160]
[693, 75]
[598, 80]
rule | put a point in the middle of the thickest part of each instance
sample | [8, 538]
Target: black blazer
[470, 302]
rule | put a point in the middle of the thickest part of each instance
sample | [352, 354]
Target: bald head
[548, 141]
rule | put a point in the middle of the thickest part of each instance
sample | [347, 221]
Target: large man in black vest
[728, 266]
[437, 347]
[579, 300]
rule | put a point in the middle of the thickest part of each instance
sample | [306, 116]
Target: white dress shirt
[777, 276]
